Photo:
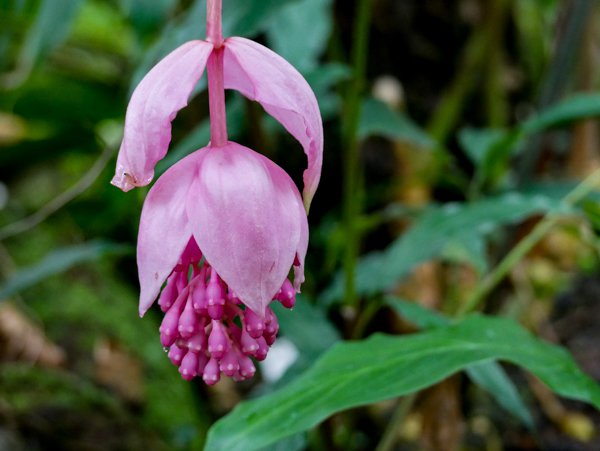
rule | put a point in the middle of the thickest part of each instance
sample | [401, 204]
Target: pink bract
[243, 211]
[154, 104]
[262, 75]
[250, 68]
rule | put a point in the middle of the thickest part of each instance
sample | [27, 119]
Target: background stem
[352, 174]
[492, 280]
[578, 13]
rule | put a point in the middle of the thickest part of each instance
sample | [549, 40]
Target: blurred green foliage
[479, 90]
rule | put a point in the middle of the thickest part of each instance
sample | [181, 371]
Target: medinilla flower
[221, 230]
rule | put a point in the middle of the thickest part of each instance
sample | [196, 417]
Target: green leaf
[307, 327]
[59, 261]
[533, 44]
[471, 250]
[100, 26]
[491, 150]
[49, 29]
[487, 375]
[294, 443]
[322, 80]
[188, 26]
[433, 231]
[577, 107]
[491, 377]
[147, 14]
[477, 142]
[287, 34]
[250, 17]
[382, 367]
[415, 313]
[199, 137]
[378, 119]
[592, 213]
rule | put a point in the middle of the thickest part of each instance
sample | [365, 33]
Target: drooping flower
[222, 228]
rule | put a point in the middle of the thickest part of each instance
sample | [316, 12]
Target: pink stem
[216, 89]
[214, 31]
[216, 99]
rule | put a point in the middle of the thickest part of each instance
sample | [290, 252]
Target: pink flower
[224, 226]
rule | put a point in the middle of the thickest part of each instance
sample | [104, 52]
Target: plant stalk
[352, 174]
[216, 88]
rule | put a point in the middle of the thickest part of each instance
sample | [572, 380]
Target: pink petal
[300, 256]
[247, 217]
[164, 228]
[262, 75]
[153, 105]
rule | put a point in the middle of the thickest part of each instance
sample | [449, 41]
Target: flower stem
[352, 175]
[216, 99]
[214, 29]
[527, 244]
[216, 88]
[388, 440]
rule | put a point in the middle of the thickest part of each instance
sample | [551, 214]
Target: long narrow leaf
[489, 376]
[383, 367]
[435, 229]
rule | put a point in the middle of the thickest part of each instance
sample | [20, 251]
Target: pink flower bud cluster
[207, 329]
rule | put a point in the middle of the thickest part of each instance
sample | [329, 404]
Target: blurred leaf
[554, 189]
[383, 367]
[147, 14]
[471, 250]
[200, 135]
[59, 261]
[307, 327]
[592, 213]
[243, 18]
[378, 119]
[49, 29]
[534, 43]
[65, 101]
[416, 314]
[188, 26]
[249, 17]
[287, 34]
[489, 376]
[322, 80]
[294, 443]
[435, 229]
[101, 27]
[476, 143]
[574, 108]
[491, 150]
